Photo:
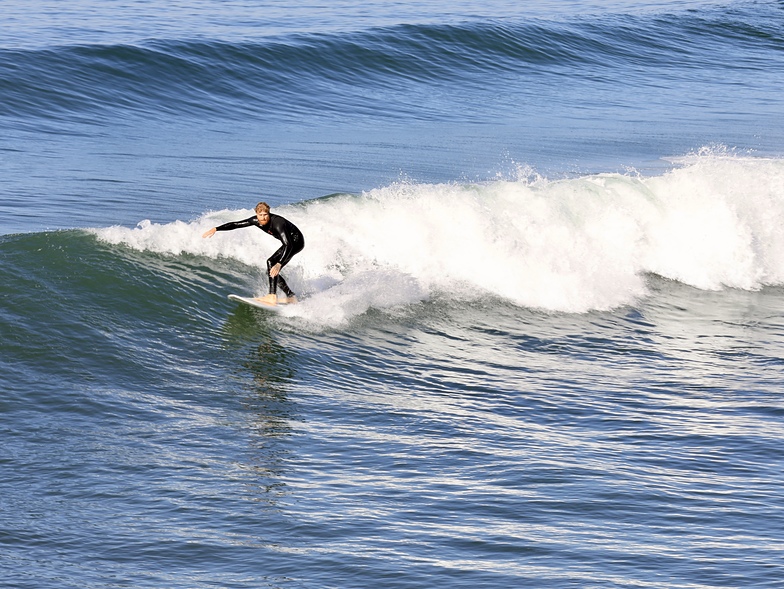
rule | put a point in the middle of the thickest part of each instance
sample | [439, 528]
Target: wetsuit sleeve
[237, 224]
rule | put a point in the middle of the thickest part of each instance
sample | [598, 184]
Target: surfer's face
[263, 217]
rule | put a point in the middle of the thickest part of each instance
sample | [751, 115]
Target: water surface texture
[541, 335]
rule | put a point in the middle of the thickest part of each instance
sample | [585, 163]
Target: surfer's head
[263, 213]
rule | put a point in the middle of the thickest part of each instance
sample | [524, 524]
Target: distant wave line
[310, 71]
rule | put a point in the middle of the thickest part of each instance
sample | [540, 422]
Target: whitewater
[570, 245]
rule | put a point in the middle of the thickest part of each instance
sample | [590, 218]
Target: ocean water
[540, 340]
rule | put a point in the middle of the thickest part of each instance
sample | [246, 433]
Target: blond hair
[262, 207]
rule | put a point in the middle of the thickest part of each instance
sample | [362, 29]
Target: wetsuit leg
[279, 281]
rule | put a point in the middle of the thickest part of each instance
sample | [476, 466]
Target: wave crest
[570, 245]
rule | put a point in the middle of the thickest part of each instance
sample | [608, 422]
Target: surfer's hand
[275, 270]
[209, 232]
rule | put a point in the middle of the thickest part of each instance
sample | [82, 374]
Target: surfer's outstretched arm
[232, 225]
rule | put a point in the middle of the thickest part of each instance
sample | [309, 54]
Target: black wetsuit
[283, 230]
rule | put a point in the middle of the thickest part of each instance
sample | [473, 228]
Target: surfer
[281, 229]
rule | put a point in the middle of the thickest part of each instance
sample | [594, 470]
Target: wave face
[571, 245]
[394, 71]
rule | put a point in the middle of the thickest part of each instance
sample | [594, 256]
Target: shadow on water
[265, 369]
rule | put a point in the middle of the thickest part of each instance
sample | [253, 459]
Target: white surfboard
[258, 303]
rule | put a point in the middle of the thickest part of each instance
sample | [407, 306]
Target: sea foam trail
[570, 245]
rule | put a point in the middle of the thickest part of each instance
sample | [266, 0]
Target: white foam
[567, 245]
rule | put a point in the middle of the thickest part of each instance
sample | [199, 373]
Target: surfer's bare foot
[292, 300]
[269, 299]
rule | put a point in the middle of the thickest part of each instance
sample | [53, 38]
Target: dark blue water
[540, 336]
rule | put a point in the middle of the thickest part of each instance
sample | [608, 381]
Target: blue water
[540, 338]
